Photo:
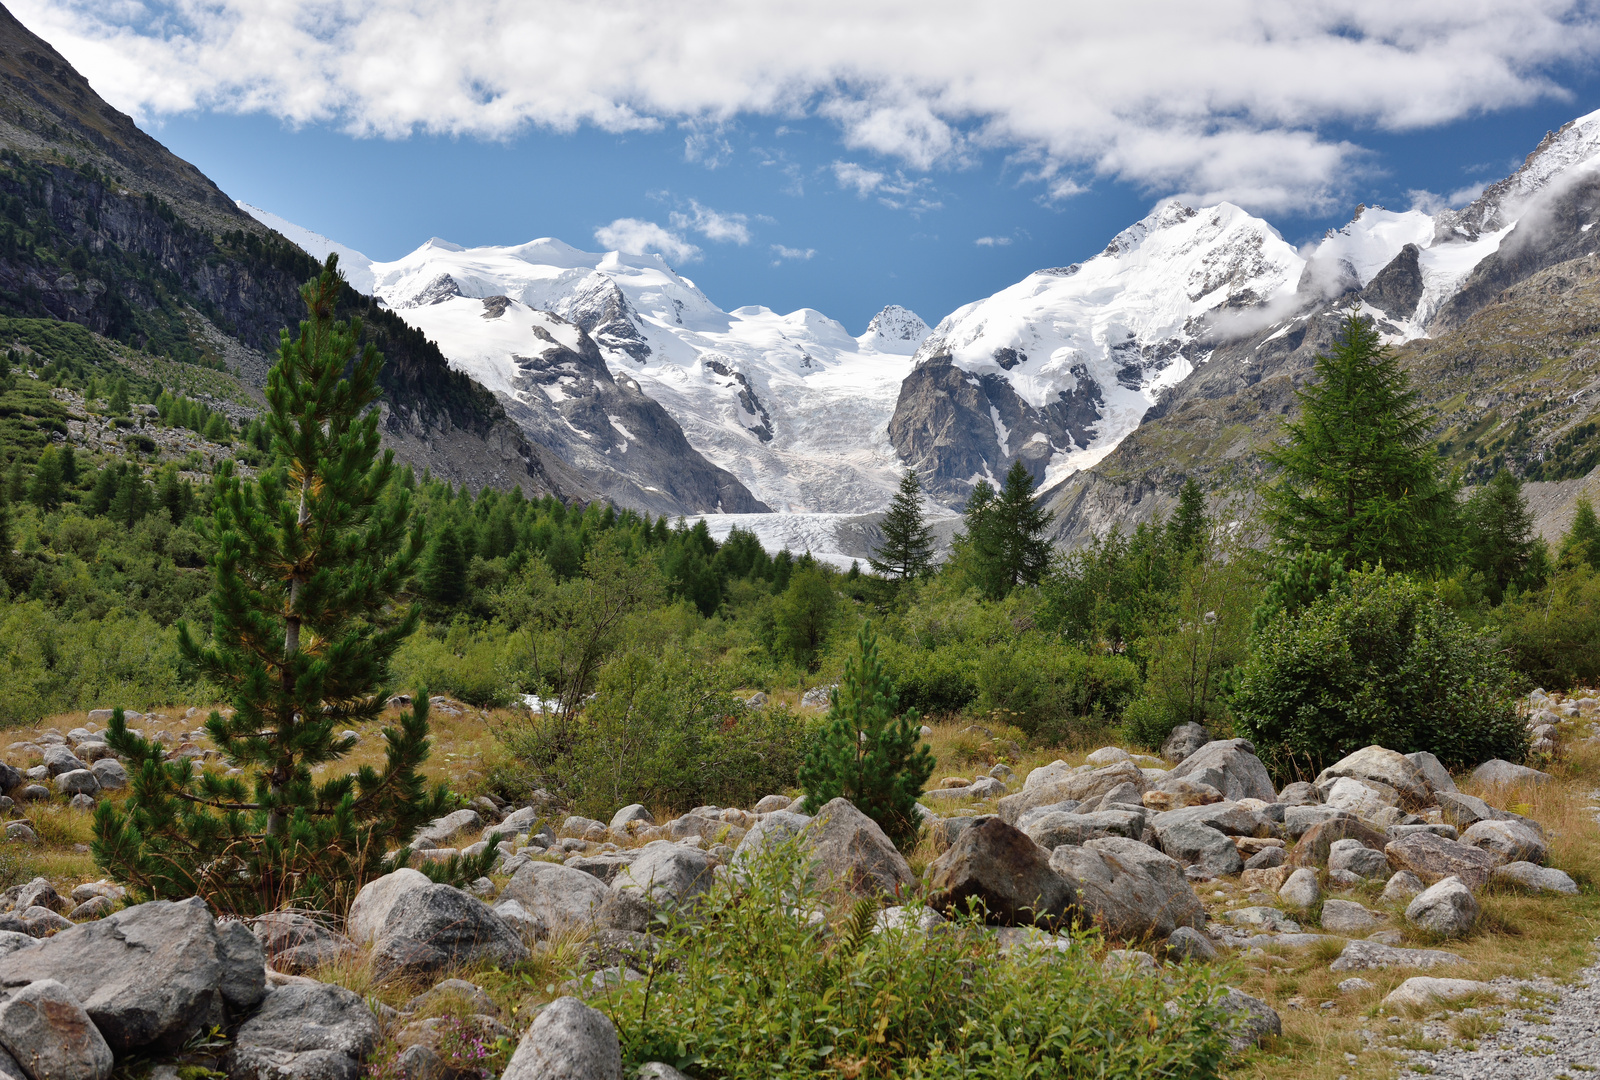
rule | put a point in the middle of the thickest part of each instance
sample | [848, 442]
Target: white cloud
[1224, 99]
[712, 224]
[993, 241]
[851, 175]
[897, 193]
[791, 253]
[637, 237]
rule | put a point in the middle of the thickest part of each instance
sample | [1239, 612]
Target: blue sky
[787, 166]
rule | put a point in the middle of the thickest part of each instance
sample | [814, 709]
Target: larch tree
[907, 548]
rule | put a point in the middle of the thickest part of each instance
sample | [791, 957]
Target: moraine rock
[1301, 889]
[77, 782]
[1063, 785]
[438, 927]
[1230, 766]
[305, 1031]
[852, 853]
[634, 812]
[1131, 890]
[1345, 917]
[370, 909]
[1372, 955]
[1433, 771]
[43, 1024]
[1196, 845]
[1180, 793]
[769, 803]
[664, 876]
[1253, 1020]
[1228, 818]
[1354, 857]
[58, 760]
[437, 832]
[1052, 828]
[1433, 858]
[1300, 793]
[1386, 767]
[1186, 943]
[148, 975]
[110, 774]
[567, 1041]
[1423, 991]
[1184, 740]
[1526, 875]
[998, 866]
[1446, 908]
[1366, 799]
[776, 828]
[295, 943]
[1498, 773]
[556, 898]
[1402, 887]
[1511, 841]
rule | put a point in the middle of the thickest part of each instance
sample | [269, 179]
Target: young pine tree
[1499, 535]
[1582, 542]
[867, 753]
[1187, 526]
[46, 490]
[444, 571]
[309, 560]
[1358, 475]
[907, 549]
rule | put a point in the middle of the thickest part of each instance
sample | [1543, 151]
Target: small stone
[17, 830]
[1344, 917]
[1355, 985]
[1402, 886]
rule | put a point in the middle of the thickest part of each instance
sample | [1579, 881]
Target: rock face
[44, 1026]
[1230, 766]
[1433, 858]
[998, 866]
[567, 1041]
[1446, 908]
[150, 975]
[440, 926]
[1130, 889]
[851, 852]
[305, 1031]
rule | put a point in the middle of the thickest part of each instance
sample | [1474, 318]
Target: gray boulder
[1197, 845]
[1228, 818]
[1468, 810]
[9, 777]
[567, 1041]
[605, 866]
[998, 866]
[1301, 890]
[77, 782]
[558, 898]
[295, 943]
[1056, 783]
[778, 827]
[1252, 1020]
[1526, 875]
[439, 830]
[43, 1025]
[1186, 943]
[1052, 828]
[852, 853]
[1495, 773]
[768, 803]
[1433, 858]
[1230, 766]
[1345, 917]
[1372, 955]
[1184, 740]
[1437, 776]
[1300, 793]
[1511, 841]
[1354, 857]
[666, 876]
[1446, 908]
[305, 1031]
[151, 974]
[634, 812]
[1386, 767]
[40, 893]
[1402, 887]
[370, 909]
[1132, 891]
[58, 759]
[438, 927]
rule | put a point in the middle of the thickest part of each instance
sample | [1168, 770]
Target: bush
[752, 988]
[665, 732]
[1553, 636]
[480, 666]
[1386, 663]
[932, 681]
[1052, 692]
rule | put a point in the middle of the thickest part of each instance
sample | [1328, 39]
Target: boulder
[852, 853]
[1046, 774]
[1468, 810]
[1301, 890]
[110, 774]
[1446, 908]
[606, 865]
[77, 782]
[1354, 857]
[1402, 887]
[438, 927]
[1107, 755]
[1433, 771]
[666, 876]
[999, 866]
[58, 760]
[1526, 875]
[1300, 793]
[1260, 917]
[295, 943]
[1495, 773]
[153, 974]
[370, 909]
[305, 1031]
[439, 830]
[1364, 798]
[1511, 841]
[1129, 889]
[1395, 832]
[1345, 917]
[1184, 740]
[1062, 785]
[1230, 766]
[1125, 794]
[567, 1041]
[558, 898]
[96, 907]
[1184, 792]
[1266, 858]
[1372, 955]
[1198, 845]
[1433, 858]
[1423, 991]
[582, 828]
[1386, 767]
[1053, 828]
[1252, 1020]
[9, 777]
[43, 1025]
[1228, 818]
[1186, 943]
[634, 812]
[40, 893]
[778, 827]
[1299, 820]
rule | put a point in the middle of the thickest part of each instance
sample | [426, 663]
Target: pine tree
[45, 490]
[1499, 534]
[1359, 476]
[1004, 545]
[1188, 525]
[867, 753]
[118, 404]
[309, 560]
[907, 548]
[69, 464]
[1582, 541]
[444, 571]
[16, 481]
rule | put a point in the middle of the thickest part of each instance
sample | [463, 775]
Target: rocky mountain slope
[102, 226]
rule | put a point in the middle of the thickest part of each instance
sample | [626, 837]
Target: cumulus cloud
[851, 175]
[1221, 100]
[993, 241]
[634, 236]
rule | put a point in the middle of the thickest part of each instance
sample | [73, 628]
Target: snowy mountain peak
[895, 329]
[1572, 149]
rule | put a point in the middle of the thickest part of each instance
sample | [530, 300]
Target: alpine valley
[1172, 353]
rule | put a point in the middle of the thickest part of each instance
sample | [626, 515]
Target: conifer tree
[1358, 473]
[1004, 545]
[1187, 526]
[117, 404]
[45, 490]
[907, 548]
[444, 571]
[309, 560]
[1582, 542]
[16, 481]
[1499, 535]
[869, 753]
[69, 464]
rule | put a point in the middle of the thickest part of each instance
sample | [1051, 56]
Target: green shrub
[751, 988]
[1553, 636]
[1053, 692]
[1385, 663]
[663, 731]
[933, 681]
[481, 666]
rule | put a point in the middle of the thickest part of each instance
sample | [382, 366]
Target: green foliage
[1306, 577]
[1582, 542]
[1498, 537]
[804, 614]
[907, 548]
[750, 988]
[47, 488]
[868, 752]
[1003, 545]
[1053, 692]
[444, 570]
[308, 562]
[1385, 663]
[1552, 636]
[482, 665]
[1358, 473]
[661, 730]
